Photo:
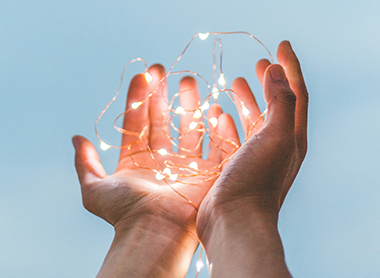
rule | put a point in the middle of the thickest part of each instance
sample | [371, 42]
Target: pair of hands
[156, 231]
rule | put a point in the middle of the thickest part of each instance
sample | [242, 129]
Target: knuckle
[286, 97]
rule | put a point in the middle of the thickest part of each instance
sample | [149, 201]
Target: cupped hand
[133, 194]
[258, 177]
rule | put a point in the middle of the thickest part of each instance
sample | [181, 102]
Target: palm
[133, 191]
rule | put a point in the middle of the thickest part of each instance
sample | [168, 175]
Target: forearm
[247, 245]
[152, 248]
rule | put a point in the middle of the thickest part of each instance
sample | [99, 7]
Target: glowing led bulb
[193, 125]
[136, 105]
[197, 114]
[244, 110]
[205, 106]
[167, 171]
[104, 146]
[180, 110]
[200, 264]
[203, 36]
[162, 152]
[159, 176]
[221, 80]
[213, 121]
[148, 77]
[193, 165]
[173, 177]
[215, 93]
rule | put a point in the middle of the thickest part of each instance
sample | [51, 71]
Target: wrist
[247, 245]
[149, 247]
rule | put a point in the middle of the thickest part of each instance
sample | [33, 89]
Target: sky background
[60, 63]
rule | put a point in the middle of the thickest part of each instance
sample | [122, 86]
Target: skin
[237, 220]
[156, 231]
[154, 227]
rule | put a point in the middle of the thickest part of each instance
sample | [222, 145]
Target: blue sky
[60, 63]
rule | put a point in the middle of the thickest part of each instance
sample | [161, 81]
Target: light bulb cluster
[173, 171]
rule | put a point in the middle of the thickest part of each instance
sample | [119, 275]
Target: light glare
[136, 105]
[221, 80]
[148, 77]
[245, 111]
[193, 165]
[193, 125]
[180, 110]
[173, 177]
[104, 146]
[203, 36]
[162, 152]
[215, 93]
[205, 106]
[167, 171]
[200, 264]
[197, 114]
[213, 121]
[159, 176]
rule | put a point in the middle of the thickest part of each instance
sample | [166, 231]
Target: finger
[87, 161]
[213, 113]
[189, 100]
[241, 87]
[159, 122]
[261, 66]
[287, 58]
[281, 101]
[227, 129]
[135, 120]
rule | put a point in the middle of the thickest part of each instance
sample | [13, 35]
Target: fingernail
[277, 73]
[289, 45]
[75, 141]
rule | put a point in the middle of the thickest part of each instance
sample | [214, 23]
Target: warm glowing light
[136, 105]
[193, 125]
[205, 106]
[203, 36]
[221, 80]
[197, 114]
[167, 171]
[200, 264]
[180, 110]
[173, 177]
[215, 93]
[159, 176]
[193, 165]
[244, 110]
[104, 146]
[213, 121]
[148, 77]
[162, 152]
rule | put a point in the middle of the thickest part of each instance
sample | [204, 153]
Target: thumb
[87, 161]
[280, 99]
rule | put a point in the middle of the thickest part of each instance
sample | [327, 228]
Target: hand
[237, 220]
[155, 227]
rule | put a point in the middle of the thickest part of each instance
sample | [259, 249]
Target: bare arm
[237, 221]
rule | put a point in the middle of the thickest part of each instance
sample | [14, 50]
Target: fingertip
[157, 70]
[75, 140]
[238, 83]
[188, 82]
[260, 68]
[226, 125]
[139, 81]
[215, 109]
[277, 73]
[286, 55]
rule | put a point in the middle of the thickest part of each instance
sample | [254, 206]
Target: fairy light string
[174, 170]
